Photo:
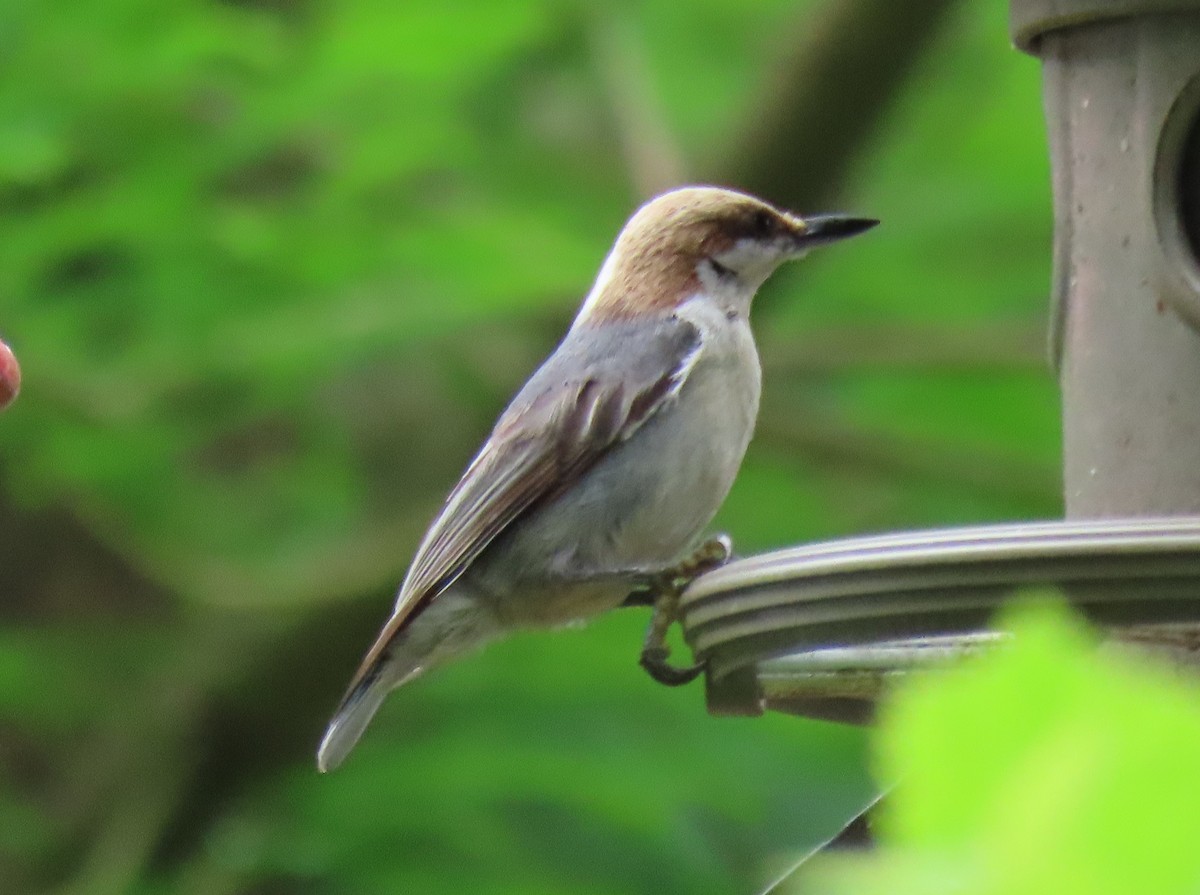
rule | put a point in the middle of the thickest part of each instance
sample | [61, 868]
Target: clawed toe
[663, 592]
[654, 660]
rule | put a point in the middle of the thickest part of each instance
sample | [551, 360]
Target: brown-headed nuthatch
[615, 455]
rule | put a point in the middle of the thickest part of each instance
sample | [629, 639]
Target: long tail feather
[449, 626]
[350, 720]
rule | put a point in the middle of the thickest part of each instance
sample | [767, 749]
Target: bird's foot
[712, 554]
[663, 592]
[655, 659]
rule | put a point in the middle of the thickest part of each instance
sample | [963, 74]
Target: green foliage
[238, 240]
[1051, 765]
[271, 267]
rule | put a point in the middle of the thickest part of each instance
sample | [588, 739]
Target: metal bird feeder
[820, 630]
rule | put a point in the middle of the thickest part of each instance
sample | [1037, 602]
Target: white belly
[685, 461]
[644, 504]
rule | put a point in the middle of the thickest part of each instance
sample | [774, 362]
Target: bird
[609, 463]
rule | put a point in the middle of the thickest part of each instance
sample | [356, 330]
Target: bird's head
[703, 240]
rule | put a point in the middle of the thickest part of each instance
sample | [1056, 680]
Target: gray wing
[594, 392]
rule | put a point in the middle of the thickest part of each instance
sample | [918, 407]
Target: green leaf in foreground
[1052, 765]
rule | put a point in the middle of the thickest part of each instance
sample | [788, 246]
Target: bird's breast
[650, 497]
[644, 504]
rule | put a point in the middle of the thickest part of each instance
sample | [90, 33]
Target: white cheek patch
[743, 254]
[752, 261]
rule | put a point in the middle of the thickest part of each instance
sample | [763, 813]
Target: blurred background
[271, 268]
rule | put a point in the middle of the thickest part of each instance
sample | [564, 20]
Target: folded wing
[587, 398]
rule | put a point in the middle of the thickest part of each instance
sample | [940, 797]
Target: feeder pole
[1122, 96]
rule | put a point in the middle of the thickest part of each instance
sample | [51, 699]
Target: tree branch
[822, 102]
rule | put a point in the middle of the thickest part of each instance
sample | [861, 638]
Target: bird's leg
[664, 591]
[714, 552]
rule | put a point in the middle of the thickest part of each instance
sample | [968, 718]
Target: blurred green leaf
[1050, 765]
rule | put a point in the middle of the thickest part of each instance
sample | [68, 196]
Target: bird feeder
[820, 630]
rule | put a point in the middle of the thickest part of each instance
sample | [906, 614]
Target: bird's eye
[763, 223]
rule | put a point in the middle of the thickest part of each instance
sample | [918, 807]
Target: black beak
[826, 228]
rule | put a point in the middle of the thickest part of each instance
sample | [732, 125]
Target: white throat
[734, 276]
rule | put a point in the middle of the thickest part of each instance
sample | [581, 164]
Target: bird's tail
[447, 627]
[350, 720]
[392, 660]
